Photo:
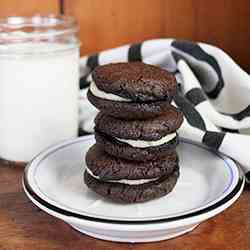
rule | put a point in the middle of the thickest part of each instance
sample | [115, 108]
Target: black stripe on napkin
[83, 83]
[194, 50]
[134, 52]
[248, 176]
[213, 139]
[216, 91]
[191, 114]
[195, 96]
[175, 72]
[92, 61]
[241, 115]
[177, 57]
[229, 130]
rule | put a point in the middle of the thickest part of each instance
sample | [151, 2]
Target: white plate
[208, 184]
[56, 176]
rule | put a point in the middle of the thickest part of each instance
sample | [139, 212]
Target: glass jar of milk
[39, 76]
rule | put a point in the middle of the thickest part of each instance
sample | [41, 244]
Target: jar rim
[21, 28]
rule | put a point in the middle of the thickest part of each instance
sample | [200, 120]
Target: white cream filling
[145, 144]
[124, 181]
[101, 94]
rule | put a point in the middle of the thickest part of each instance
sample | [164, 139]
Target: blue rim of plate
[67, 213]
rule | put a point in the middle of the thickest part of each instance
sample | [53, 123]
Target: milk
[38, 97]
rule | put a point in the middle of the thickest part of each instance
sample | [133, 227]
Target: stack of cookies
[134, 158]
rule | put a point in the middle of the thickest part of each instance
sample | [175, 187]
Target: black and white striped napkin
[214, 92]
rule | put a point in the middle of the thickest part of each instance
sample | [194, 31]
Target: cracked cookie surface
[148, 90]
[125, 151]
[108, 167]
[133, 193]
[146, 129]
[136, 81]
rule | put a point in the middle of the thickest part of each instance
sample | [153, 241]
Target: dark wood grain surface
[110, 23]
[28, 7]
[23, 226]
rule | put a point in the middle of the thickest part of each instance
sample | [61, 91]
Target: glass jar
[39, 75]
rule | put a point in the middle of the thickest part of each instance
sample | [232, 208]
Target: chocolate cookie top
[108, 167]
[136, 81]
[149, 130]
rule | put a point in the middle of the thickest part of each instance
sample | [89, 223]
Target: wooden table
[24, 226]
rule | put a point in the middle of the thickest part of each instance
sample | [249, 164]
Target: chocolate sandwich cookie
[106, 167]
[129, 193]
[131, 90]
[125, 151]
[128, 110]
[138, 140]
